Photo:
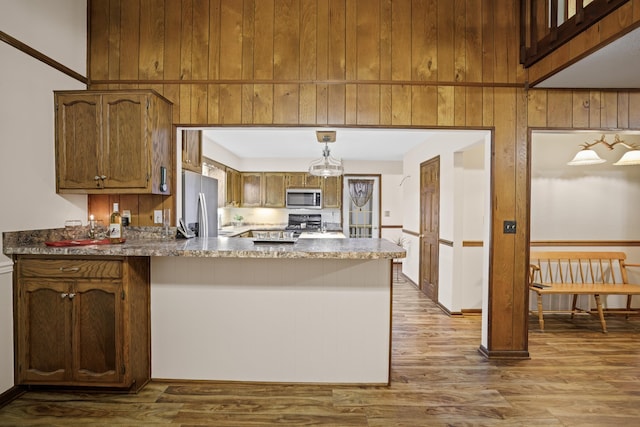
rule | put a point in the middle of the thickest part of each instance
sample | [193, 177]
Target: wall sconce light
[587, 156]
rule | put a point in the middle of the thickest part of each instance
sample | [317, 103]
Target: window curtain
[360, 191]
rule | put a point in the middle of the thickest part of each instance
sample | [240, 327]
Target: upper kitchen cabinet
[274, 190]
[332, 192]
[251, 189]
[234, 188]
[303, 180]
[113, 142]
[192, 150]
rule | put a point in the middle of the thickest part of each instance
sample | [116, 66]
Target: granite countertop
[145, 241]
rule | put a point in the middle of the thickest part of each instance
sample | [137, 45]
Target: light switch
[157, 216]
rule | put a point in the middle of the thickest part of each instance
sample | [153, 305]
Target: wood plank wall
[404, 63]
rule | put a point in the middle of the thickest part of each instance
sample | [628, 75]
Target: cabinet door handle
[64, 295]
[67, 269]
[96, 178]
[103, 177]
[72, 296]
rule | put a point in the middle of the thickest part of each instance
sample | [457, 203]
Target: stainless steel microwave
[304, 198]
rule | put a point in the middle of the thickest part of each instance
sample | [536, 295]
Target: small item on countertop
[115, 226]
[83, 242]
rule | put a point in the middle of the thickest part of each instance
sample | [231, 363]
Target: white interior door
[361, 206]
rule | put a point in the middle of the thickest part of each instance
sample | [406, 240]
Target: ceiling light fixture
[587, 156]
[327, 165]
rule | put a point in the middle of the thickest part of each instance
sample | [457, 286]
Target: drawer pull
[64, 295]
[72, 296]
[67, 269]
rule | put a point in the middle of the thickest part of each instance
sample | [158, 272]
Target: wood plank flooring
[577, 376]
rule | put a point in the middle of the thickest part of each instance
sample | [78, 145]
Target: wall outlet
[157, 216]
[509, 227]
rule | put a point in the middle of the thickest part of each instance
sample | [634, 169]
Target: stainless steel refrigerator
[200, 203]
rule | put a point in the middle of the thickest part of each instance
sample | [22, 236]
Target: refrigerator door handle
[204, 218]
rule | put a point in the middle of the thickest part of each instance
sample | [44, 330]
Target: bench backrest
[578, 267]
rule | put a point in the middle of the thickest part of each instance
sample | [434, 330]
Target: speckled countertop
[146, 241]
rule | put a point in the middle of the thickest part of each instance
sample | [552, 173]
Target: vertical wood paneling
[386, 118]
[488, 106]
[213, 104]
[609, 112]
[623, 110]
[263, 103]
[286, 40]
[173, 31]
[99, 39]
[200, 40]
[559, 108]
[248, 39]
[385, 40]
[500, 40]
[230, 104]
[322, 104]
[247, 113]
[488, 41]
[152, 40]
[263, 52]
[459, 41]
[424, 40]
[114, 40]
[285, 103]
[186, 40]
[230, 40]
[308, 41]
[401, 105]
[337, 104]
[634, 110]
[351, 104]
[424, 106]
[214, 41]
[130, 39]
[446, 105]
[322, 40]
[537, 108]
[351, 43]
[473, 36]
[595, 107]
[401, 39]
[473, 106]
[199, 104]
[580, 111]
[368, 40]
[337, 40]
[307, 104]
[368, 100]
[445, 45]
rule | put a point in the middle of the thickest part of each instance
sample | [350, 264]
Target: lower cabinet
[82, 321]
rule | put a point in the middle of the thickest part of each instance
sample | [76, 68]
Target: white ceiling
[375, 144]
[614, 66]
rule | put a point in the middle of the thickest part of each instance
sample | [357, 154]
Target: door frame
[421, 272]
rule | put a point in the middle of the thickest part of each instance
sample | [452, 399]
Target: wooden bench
[582, 273]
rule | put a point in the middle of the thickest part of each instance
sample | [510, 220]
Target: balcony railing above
[548, 24]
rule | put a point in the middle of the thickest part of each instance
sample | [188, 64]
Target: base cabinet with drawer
[82, 321]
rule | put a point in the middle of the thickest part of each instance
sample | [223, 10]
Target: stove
[304, 222]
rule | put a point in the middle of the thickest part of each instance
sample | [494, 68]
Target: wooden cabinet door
[233, 187]
[127, 135]
[332, 192]
[251, 189]
[295, 180]
[192, 150]
[274, 184]
[43, 325]
[78, 121]
[312, 181]
[98, 333]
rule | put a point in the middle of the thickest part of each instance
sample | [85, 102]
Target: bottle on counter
[115, 225]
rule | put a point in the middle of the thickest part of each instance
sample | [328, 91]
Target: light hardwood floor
[577, 376]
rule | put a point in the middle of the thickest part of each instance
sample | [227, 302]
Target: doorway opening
[361, 206]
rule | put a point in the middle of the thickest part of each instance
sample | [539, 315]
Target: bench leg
[600, 313]
[628, 306]
[540, 315]
[574, 303]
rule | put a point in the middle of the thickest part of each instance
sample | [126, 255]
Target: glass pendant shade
[586, 157]
[326, 166]
[630, 158]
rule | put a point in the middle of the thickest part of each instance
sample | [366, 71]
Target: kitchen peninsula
[318, 310]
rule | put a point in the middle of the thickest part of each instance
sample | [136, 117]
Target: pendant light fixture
[327, 165]
[587, 156]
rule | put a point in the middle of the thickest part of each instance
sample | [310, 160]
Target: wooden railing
[547, 24]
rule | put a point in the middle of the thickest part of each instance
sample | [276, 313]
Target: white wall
[27, 169]
[460, 212]
[588, 203]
